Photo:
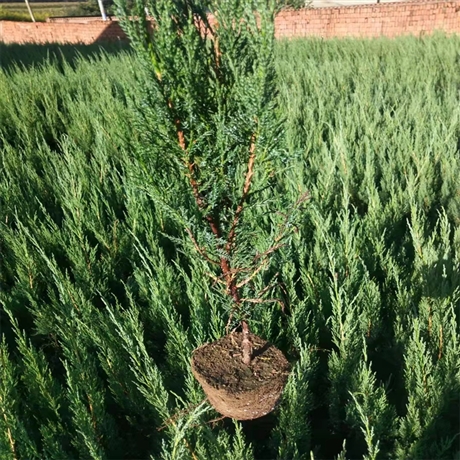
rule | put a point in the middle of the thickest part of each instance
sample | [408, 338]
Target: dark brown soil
[234, 389]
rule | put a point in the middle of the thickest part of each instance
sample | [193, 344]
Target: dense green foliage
[209, 117]
[101, 305]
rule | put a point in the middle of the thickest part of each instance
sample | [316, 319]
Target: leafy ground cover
[101, 305]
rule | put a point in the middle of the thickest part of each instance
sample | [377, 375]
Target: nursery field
[101, 305]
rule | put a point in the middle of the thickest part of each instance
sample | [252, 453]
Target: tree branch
[246, 188]
[279, 301]
[251, 276]
[201, 251]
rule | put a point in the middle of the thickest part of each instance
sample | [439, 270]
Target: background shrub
[100, 310]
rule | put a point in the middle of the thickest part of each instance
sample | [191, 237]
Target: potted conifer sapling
[210, 105]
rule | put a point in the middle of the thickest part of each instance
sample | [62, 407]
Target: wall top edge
[288, 12]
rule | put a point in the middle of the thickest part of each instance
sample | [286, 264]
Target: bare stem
[246, 345]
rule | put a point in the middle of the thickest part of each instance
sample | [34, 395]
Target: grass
[100, 307]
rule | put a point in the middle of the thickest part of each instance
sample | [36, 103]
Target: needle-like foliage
[104, 295]
[210, 109]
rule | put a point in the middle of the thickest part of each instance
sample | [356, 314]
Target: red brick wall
[383, 19]
[84, 31]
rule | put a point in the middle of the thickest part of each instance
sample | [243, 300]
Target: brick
[388, 19]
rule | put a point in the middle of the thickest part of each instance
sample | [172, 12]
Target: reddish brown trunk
[213, 221]
[246, 345]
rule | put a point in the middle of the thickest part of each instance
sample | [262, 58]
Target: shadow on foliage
[25, 56]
